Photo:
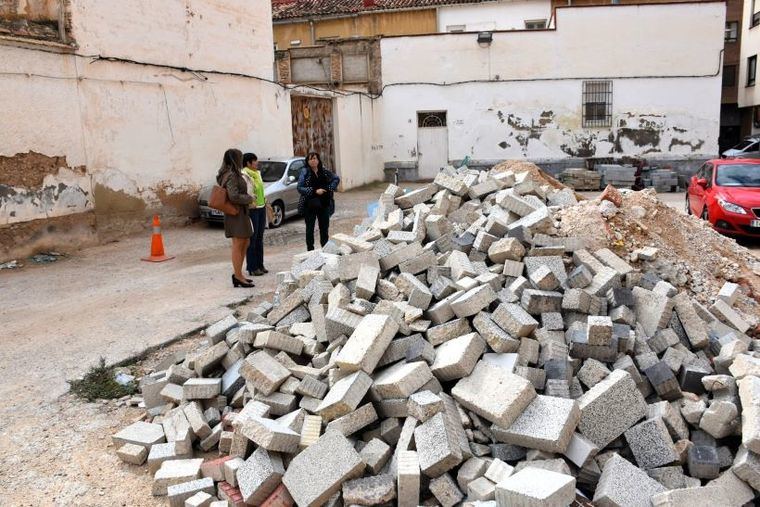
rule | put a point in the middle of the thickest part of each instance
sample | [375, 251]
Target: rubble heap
[456, 349]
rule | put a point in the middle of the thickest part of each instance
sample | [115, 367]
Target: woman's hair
[248, 158]
[233, 159]
[320, 167]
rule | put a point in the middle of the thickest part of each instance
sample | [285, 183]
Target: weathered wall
[503, 15]
[361, 25]
[358, 148]
[32, 10]
[528, 104]
[123, 140]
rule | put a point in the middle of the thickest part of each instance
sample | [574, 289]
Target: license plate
[754, 223]
[216, 213]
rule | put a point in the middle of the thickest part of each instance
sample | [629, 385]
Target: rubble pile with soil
[483, 340]
[692, 254]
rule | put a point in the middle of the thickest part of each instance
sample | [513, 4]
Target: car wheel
[279, 215]
[688, 208]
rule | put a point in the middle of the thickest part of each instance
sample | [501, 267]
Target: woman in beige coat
[238, 227]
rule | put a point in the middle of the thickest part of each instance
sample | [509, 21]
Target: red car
[726, 193]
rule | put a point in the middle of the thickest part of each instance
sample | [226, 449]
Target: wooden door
[313, 128]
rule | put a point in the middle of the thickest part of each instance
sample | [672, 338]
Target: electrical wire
[199, 74]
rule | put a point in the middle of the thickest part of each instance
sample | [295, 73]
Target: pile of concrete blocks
[581, 179]
[662, 180]
[455, 350]
[620, 176]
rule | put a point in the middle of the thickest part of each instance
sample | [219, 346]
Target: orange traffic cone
[157, 244]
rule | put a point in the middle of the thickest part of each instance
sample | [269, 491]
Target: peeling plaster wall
[143, 138]
[529, 103]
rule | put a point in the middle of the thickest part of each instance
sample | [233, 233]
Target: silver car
[749, 148]
[280, 176]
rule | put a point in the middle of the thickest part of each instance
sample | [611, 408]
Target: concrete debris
[457, 350]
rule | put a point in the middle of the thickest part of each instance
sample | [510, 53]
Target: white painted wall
[143, 131]
[748, 95]
[535, 110]
[499, 15]
[358, 150]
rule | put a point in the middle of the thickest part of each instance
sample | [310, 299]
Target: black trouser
[323, 216]
[255, 254]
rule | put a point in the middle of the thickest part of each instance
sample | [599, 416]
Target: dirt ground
[56, 320]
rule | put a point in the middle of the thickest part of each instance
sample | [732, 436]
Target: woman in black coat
[238, 227]
[316, 186]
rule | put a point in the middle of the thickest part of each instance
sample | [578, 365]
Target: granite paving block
[345, 395]
[456, 358]
[437, 448]
[651, 444]
[532, 487]
[264, 372]
[623, 484]
[367, 344]
[494, 393]
[320, 470]
[610, 407]
[259, 475]
[547, 424]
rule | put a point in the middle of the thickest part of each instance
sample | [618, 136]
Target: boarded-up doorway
[432, 143]
[313, 128]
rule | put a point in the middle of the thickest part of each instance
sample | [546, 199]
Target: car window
[738, 175]
[753, 147]
[700, 172]
[742, 146]
[295, 168]
[708, 174]
[271, 171]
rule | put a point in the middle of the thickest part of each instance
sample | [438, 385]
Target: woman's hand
[320, 191]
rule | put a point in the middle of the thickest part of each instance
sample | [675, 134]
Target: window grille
[431, 119]
[597, 103]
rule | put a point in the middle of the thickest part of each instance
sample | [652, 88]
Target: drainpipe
[313, 32]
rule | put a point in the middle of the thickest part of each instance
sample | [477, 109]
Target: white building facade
[644, 82]
[99, 144]
[497, 15]
[749, 87]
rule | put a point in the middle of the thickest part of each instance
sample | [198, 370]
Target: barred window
[597, 103]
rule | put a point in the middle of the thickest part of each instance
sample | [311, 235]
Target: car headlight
[729, 206]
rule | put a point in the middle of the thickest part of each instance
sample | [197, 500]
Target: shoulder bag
[219, 200]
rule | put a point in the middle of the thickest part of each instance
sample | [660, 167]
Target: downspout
[313, 32]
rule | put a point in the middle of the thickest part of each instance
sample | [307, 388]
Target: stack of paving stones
[619, 176]
[581, 179]
[455, 351]
[662, 180]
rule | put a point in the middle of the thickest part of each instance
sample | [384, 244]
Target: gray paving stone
[622, 484]
[546, 424]
[336, 461]
[367, 344]
[494, 394]
[259, 475]
[651, 444]
[437, 448]
[345, 395]
[264, 372]
[532, 487]
[456, 358]
[610, 407]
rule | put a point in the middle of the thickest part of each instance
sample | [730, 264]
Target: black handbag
[314, 203]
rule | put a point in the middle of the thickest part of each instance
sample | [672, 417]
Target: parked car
[726, 193]
[280, 176]
[749, 148]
